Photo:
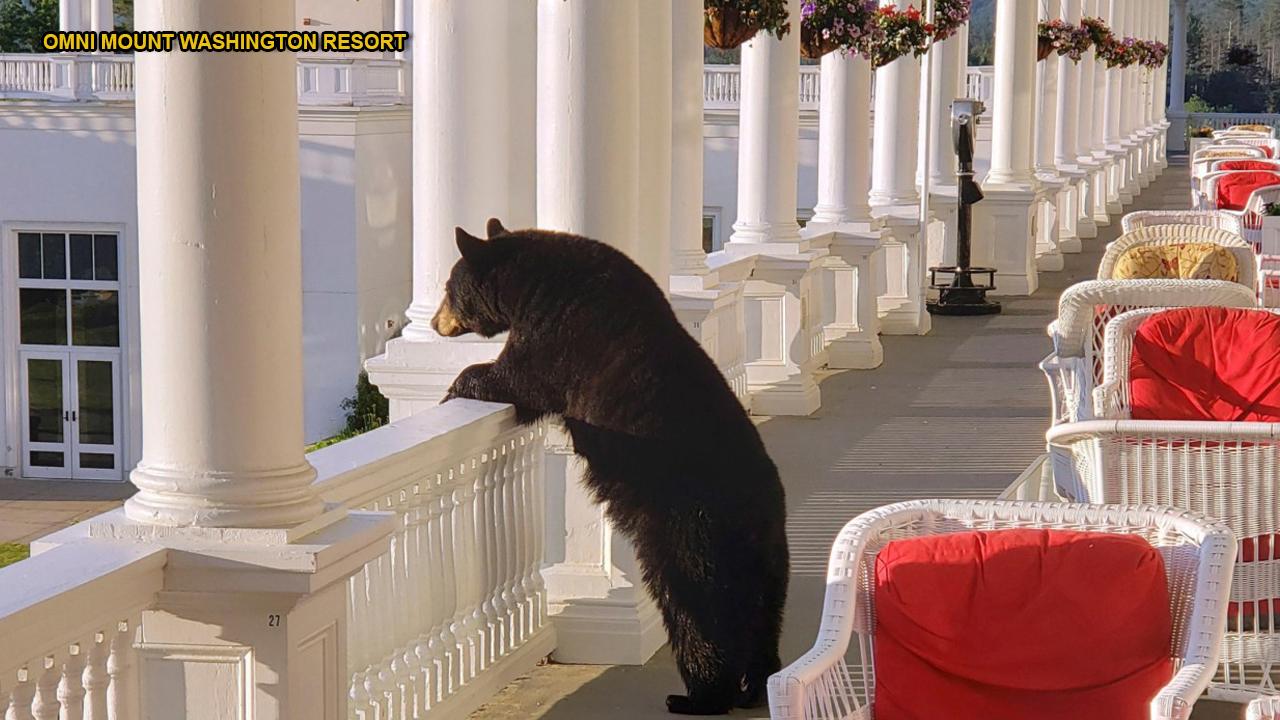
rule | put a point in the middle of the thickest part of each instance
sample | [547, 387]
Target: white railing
[67, 77]
[978, 81]
[456, 608]
[68, 619]
[1222, 121]
[722, 87]
[347, 81]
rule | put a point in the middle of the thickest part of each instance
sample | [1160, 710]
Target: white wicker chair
[1246, 259]
[1225, 469]
[1139, 219]
[1198, 555]
[1258, 141]
[1249, 129]
[1076, 365]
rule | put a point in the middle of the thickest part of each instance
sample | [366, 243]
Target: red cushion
[1266, 150]
[1234, 189]
[1206, 363]
[1237, 165]
[1017, 624]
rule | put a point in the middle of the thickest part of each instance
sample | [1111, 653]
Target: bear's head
[470, 301]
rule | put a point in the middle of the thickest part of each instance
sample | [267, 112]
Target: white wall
[720, 169]
[74, 166]
[63, 167]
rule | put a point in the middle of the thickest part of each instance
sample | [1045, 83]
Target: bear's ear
[474, 250]
[494, 228]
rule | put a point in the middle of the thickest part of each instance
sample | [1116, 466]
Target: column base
[1004, 238]
[852, 330]
[1086, 228]
[851, 349]
[902, 305]
[417, 374]
[713, 316]
[779, 308]
[1050, 262]
[622, 628]
[799, 396]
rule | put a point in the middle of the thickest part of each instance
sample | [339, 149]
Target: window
[69, 289]
[711, 230]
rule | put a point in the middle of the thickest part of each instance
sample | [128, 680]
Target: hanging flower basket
[898, 34]
[1044, 48]
[948, 17]
[729, 23]
[830, 25]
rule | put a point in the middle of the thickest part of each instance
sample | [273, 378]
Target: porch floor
[957, 413]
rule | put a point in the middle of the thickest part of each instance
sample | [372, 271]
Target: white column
[1116, 99]
[1013, 109]
[947, 86]
[69, 15]
[1005, 218]
[1066, 154]
[403, 21]
[896, 144]
[844, 140]
[653, 83]
[768, 133]
[1049, 228]
[1103, 194]
[589, 170]
[688, 261]
[1086, 226]
[473, 140]
[221, 310]
[1178, 77]
[101, 16]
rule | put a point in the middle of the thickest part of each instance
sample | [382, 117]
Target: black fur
[670, 450]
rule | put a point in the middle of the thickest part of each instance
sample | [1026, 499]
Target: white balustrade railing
[458, 602]
[1222, 121]
[978, 83]
[69, 77]
[68, 619]
[722, 87]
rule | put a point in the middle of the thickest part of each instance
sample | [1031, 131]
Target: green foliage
[368, 409]
[11, 553]
[1272, 210]
[21, 28]
[1197, 104]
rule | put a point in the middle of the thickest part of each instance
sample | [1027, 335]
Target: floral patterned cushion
[1186, 261]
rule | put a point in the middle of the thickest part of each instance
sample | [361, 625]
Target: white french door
[69, 355]
[71, 429]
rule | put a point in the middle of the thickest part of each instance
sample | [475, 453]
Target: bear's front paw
[684, 705]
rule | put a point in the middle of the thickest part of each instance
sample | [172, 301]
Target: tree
[22, 27]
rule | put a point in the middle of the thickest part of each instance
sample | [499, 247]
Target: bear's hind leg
[711, 667]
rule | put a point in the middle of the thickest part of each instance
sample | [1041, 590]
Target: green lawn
[11, 553]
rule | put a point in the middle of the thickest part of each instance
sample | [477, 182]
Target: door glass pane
[708, 232]
[96, 417]
[42, 458]
[98, 461]
[55, 256]
[29, 255]
[95, 318]
[44, 400]
[43, 316]
[105, 261]
[81, 256]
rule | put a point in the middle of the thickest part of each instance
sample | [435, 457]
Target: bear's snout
[446, 322]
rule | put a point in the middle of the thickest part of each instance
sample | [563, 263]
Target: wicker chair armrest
[1069, 433]
[1111, 401]
[1176, 700]
[1265, 707]
[1070, 379]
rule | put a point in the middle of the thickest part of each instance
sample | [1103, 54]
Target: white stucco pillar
[1066, 154]
[473, 140]
[654, 106]
[688, 259]
[952, 52]
[1103, 197]
[896, 144]
[1003, 221]
[1115, 102]
[70, 14]
[222, 420]
[101, 16]
[768, 133]
[844, 140]
[1048, 229]
[402, 20]
[589, 183]
[1086, 226]
[1178, 77]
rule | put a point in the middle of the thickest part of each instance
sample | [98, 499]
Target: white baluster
[512, 568]
[70, 687]
[452, 549]
[45, 706]
[468, 566]
[122, 692]
[490, 532]
[20, 698]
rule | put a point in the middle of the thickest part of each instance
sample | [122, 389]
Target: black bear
[669, 449]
